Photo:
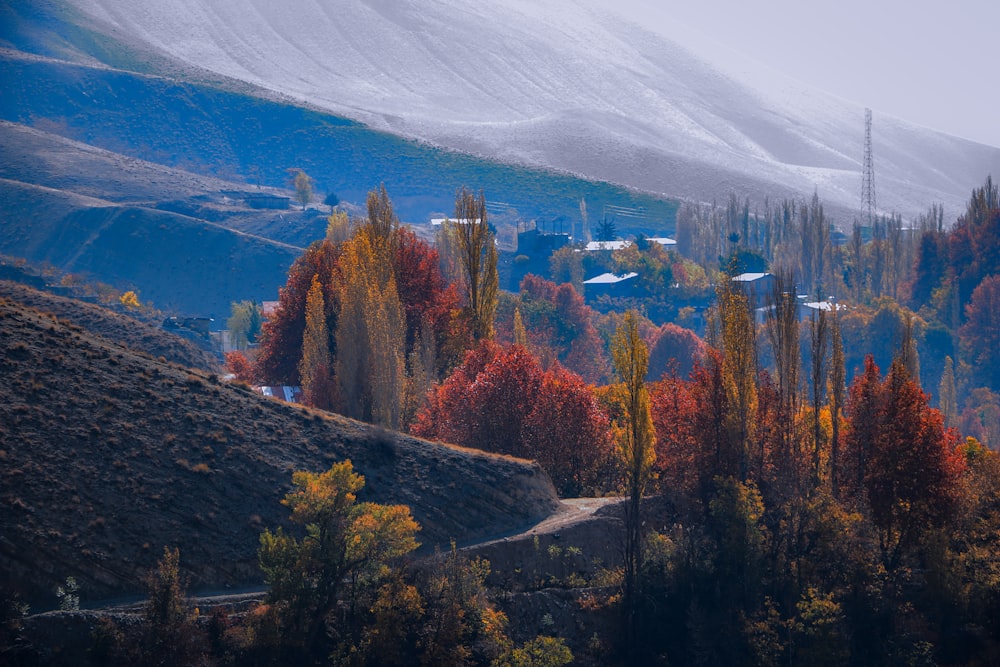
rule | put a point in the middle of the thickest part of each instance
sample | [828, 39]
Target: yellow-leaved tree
[636, 441]
[371, 327]
[347, 544]
[739, 376]
[315, 368]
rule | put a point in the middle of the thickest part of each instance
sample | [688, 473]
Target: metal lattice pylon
[868, 206]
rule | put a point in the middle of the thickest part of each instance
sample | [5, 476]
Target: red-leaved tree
[910, 467]
[568, 433]
[560, 327]
[427, 299]
[673, 348]
[281, 334]
[500, 400]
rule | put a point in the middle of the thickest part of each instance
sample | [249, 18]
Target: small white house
[596, 246]
[662, 240]
[610, 278]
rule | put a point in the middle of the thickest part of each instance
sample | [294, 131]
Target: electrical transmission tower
[868, 180]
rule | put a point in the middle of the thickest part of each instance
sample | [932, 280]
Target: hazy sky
[935, 63]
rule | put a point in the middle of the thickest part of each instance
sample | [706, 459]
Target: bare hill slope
[107, 455]
[140, 336]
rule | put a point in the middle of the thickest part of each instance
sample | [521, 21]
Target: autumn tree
[568, 434]
[371, 333]
[345, 544]
[673, 349]
[303, 184]
[682, 451]
[905, 460]
[130, 300]
[819, 338]
[240, 367]
[520, 334]
[980, 335]
[382, 222]
[485, 400]
[948, 395]
[282, 334]
[478, 259]
[461, 627]
[338, 227]
[500, 400]
[782, 327]
[169, 634]
[566, 266]
[315, 366]
[636, 440]
[863, 408]
[838, 384]
[428, 300]
[558, 325]
[739, 374]
[782, 330]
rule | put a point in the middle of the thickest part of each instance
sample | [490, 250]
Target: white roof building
[749, 277]
[594, 246]
[610, 279]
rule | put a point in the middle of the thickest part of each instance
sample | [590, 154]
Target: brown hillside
[107, 455]
[140, 336]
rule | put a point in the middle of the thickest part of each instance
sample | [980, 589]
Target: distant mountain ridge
[571, 85]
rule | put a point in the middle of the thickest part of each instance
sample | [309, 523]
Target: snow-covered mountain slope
[569, 84]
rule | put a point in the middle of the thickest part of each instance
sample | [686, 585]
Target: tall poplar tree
[636, 441]
[838, 383]
[314, 368]
[819, 337]
[478, 257]
[371, 335]
[948, 395]
[739, 367]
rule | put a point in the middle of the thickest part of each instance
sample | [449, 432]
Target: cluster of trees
[367, 320]
[811, 521]
[558, 326]
[954, 286]
[887, 271]
[813, 508]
